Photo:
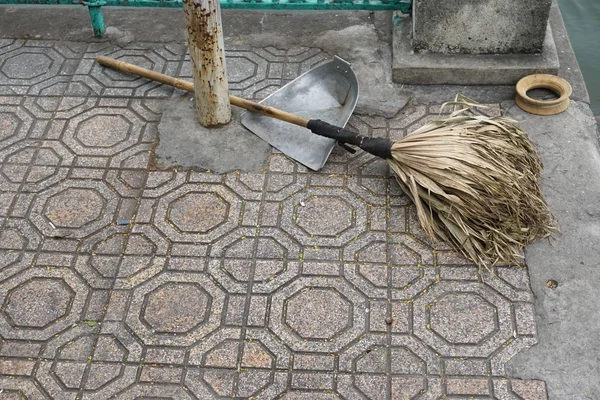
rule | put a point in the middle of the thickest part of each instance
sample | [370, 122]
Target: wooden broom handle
[189, 86]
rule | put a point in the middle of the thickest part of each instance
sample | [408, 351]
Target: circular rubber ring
[543, 107]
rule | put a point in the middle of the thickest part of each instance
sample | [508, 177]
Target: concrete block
[409, 67]
[480, 27]
[186, 144]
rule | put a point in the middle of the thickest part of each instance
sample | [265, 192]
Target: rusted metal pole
[205, 41]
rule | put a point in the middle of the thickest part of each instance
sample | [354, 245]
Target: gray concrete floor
[568, 326]
[120, 278]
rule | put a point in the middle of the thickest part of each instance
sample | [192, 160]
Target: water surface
[582, 18]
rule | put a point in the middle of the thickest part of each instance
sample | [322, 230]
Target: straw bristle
[475, 181]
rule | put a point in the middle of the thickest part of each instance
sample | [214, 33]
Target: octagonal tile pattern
[121, 281]
[103, 131]
[405, 372]
[176, 308]
[266, 260]
[39, 302]
[198, 212]
[93, 132]
[122, 259]
[233, 368]
[16, 124]
[333, 315]
[317, 313]
[14, 66]
[473, 318]
[87, 350]
[162, 312]
[91, 79]
[474, 328]
[32, 166]
[395, 265]
[39, 67]
[10, 123]
[324, 216]
[45, 299]
[76, 208]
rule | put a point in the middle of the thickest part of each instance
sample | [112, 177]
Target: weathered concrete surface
[187, 144]
[427, 68]
[370, 57]
[262, 255]
[131, 24]
[567, 355]
[480, 27]
[261, 28]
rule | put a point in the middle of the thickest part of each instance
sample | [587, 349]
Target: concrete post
[481, 26]
[473, 42]
[205, 41]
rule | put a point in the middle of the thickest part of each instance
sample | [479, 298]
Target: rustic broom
[475, 180]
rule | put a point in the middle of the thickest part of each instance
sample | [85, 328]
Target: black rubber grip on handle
[379, 147]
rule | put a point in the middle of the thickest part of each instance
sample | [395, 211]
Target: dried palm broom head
[475, 181]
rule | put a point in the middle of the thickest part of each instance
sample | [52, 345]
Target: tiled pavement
[121, 280]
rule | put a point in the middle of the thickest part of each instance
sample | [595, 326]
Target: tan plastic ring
[542, 107]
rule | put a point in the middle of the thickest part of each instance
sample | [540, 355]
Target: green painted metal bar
[95, 10]
[95, 6]
[374, 5]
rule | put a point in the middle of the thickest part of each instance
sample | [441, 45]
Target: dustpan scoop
[328, 92]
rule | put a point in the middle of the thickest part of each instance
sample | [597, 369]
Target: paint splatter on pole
[205, 40]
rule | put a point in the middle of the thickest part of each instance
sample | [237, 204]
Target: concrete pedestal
[428, 68]
[480, 27]
[467, 42]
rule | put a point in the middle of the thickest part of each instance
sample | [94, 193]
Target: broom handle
[189, 86]
[376, 146]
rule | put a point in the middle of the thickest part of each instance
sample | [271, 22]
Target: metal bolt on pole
[205, 41]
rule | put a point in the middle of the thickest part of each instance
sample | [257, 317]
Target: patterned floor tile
[197, 213]
[38, 67]
[40, 302]
[105, 134]
[22, 121]
[318, 314]
[76, 208]
[92, 79]
[120, 280]
[175, 309]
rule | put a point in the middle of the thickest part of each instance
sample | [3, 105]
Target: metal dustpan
[328, 92]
